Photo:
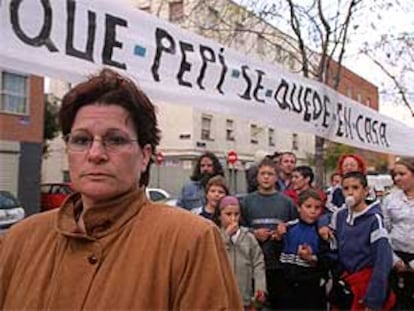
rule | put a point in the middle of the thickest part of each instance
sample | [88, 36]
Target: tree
[51, 125]
[320, 29]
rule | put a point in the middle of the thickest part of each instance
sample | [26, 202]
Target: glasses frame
[108, 148]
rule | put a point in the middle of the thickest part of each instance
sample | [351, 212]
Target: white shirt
[398, 213]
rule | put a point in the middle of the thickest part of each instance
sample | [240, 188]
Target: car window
[7, 200]
[156, 195]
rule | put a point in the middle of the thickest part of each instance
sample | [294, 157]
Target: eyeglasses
[112, 142]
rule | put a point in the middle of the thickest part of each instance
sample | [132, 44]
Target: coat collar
[102, 218]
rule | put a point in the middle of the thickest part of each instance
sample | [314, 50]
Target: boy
[363, 250]
[262, 211]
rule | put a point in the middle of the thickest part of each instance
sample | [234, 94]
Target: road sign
[159, 158]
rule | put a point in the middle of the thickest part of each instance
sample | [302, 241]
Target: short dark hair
[308, 193]
[218, 180]
[217, 167]
[267, 162]
[306, 172]
[110, 88]
[357, 175]
[289, 153]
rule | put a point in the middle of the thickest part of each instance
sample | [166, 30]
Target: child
[244, 252]
[216, 189]
[363, 250]
[303, 261]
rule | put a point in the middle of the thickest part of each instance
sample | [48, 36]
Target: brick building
[21, 136]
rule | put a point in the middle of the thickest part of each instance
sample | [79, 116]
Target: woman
[346, 163]
[398, 210]
[108, 247]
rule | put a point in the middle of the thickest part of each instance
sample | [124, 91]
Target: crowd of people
[341, 248]
[285, 245]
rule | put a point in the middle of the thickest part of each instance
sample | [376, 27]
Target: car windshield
[7, 200]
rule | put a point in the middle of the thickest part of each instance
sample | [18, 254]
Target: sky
[373, 22]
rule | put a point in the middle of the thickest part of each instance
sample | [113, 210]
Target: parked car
[160, 195]
[53, 195]
[11, 211]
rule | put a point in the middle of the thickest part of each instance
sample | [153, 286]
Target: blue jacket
[362, 242]
[192, 195]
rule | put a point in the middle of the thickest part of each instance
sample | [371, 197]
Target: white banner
[70, 39]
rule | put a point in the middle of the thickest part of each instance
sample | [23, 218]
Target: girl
[398, 210]
[244, 252]
[216, 189]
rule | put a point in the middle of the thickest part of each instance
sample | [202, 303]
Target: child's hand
[305, 252]
[262, 234]
[232, 228]
[325, 232]
[280, 231]
[400, 266]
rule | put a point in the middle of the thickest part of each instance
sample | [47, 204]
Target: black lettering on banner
[368, 130]
[383, 134]
[295, 102]
[347, 122]
[317, 105]
[326, 114]
[339, 131]
[259, 86]
[43, 38]
[184, 65]
[70, 24]
[281, 91]
[207, 55]
[358, 120]
[374, 131]
[161, 36]
[246, 94]
[223, 71]
[110, 40]
[306, 104]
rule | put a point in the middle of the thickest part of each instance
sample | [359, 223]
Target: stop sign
[159, 158]
[232, 157]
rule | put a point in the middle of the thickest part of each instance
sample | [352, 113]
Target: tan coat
[136, 256]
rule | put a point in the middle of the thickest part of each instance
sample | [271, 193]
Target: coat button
[92, 259]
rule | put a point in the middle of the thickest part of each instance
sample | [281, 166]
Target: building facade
[21, 136]
[187, 132]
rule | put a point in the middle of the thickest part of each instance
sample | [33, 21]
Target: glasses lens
[79, 141]
[116, 141]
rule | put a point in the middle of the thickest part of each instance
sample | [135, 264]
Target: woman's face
[98, 173]
[349, 165]
[404, 178]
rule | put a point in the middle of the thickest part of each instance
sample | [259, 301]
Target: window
[359, 98]
[145, 8]
[261, 45]
[271, 137]
[212, 17]
[295, 144]
[349, 92]
[13, 93]
[254, 131]
[368, 102]
[176, 11]
[278, 53]
[206, 127]
[230, 130]
[238, 35]
[291, 61]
